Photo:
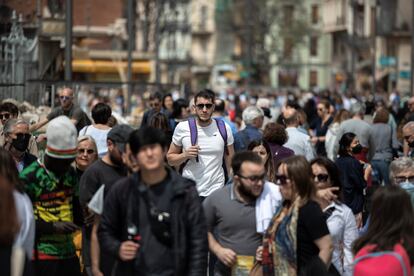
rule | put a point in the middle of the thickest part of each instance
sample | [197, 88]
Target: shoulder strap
[221, 125]
[193, 132]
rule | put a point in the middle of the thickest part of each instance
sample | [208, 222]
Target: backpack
[383, 263]
[221, 125]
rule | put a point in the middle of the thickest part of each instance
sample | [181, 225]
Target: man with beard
[202, 162]
[52, 188]
[105, 171]
[17, 137]
[231, 215]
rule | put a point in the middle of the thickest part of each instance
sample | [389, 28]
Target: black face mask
[21, 142]
[357, 149]
[411, 144]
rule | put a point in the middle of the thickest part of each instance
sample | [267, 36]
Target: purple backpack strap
[193, 132]
[221, 125]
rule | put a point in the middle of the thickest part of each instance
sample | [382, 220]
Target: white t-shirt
[100, 137]
[207, 172]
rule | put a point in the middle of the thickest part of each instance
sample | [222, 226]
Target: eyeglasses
[281, 179]
[88, 151]
[253, 178]
[401, 179]
[65, 98]
[202, 106]
[5, 116]
[154, 104]
[321, 177]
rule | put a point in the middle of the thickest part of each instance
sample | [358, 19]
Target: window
[288, 11]
[315, 14]
[314, 46]
[203, 17]
[313, 78]
[287, 47]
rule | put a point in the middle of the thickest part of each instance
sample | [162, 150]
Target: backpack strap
[384, 253]
[193, 132]
[221, 125]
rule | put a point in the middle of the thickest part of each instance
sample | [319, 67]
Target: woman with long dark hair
[387, 229]
[16, 222]
[339, 217]
[352, 174]
[262, 148]
[297, 235]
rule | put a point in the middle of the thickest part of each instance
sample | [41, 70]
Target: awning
[107, 66]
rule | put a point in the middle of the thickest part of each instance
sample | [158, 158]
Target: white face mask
[407, 184]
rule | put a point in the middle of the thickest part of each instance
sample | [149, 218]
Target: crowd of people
[210, 186]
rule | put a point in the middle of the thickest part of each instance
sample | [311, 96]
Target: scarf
[279, 241]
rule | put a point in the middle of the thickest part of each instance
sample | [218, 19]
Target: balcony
[334, 16]
[201, 29]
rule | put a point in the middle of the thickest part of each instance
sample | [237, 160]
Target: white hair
[251, 113]
[399, 165]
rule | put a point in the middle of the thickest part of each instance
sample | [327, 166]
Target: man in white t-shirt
[202, 162]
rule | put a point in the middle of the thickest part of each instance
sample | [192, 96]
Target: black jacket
[189, 230]
[353, 182]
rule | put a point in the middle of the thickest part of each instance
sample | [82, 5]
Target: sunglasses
[88, 151]
[5, 116]
[253, 178]
[281, 179]
[202, 106]
[65, 98]
[401, 179]
[321, 177]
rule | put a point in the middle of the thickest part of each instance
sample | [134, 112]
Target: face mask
[411, 144]
[357, 149]
[21, 142]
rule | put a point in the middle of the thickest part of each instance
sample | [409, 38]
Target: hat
[119, 134]
[61, 138]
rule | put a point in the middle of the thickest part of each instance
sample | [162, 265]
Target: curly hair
[275, 133]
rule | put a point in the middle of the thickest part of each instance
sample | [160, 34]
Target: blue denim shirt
[243, 138]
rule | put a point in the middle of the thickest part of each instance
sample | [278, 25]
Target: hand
[227, 256]
[259, 253]
[192, 152]
[314, 140]
[88, 217]
[96, 271]
[327, 194]
[128, 250]
[41, 138]
[65, 227]
[358, 219]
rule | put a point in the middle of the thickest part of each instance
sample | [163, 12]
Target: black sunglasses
[321, 177]
[5, 116]
[253, 178]
[65, 98]
[281, 179]
[88, 151]
[406, 138]
[201, 106]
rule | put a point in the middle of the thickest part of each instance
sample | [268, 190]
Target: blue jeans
[381, 169]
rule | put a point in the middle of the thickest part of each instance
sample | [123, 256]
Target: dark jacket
[353, 182]
[188, 223]
[279, 152]
[28, 159]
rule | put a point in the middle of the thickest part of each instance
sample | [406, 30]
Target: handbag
[257, 269]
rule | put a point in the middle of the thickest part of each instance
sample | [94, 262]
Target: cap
[119, 134]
